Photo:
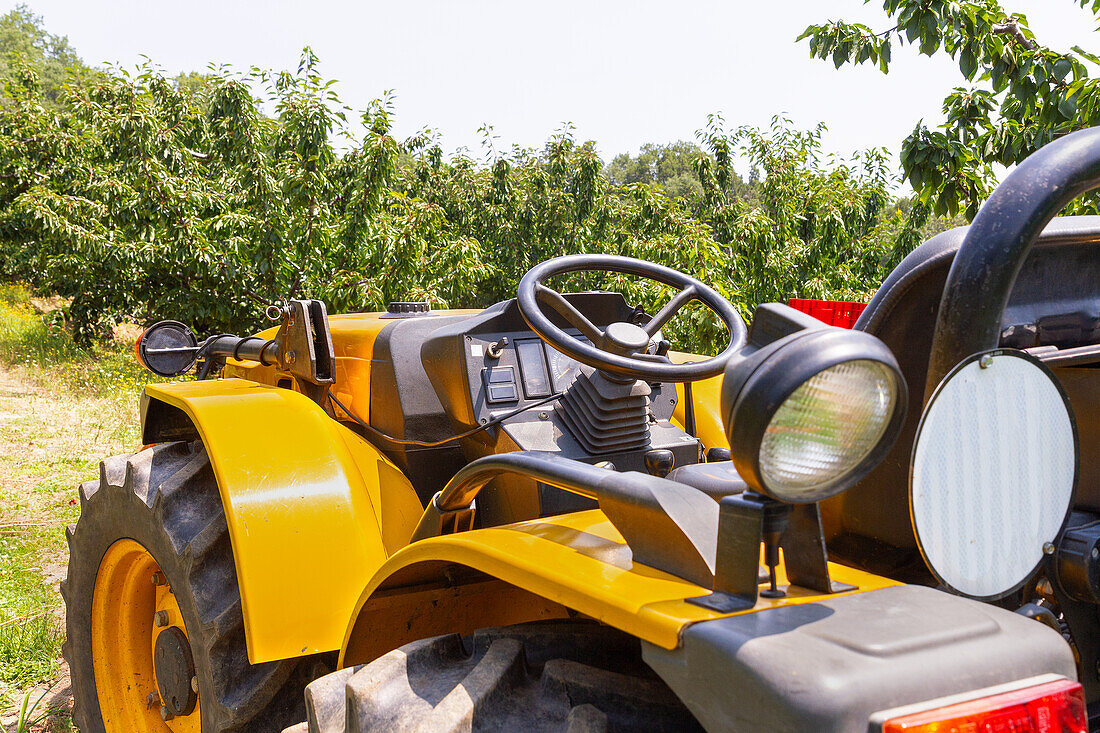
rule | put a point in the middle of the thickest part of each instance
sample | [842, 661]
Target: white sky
[624, 73]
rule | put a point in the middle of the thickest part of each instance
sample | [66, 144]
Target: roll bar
[998, 242]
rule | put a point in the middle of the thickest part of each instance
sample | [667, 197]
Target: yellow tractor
[542, 516]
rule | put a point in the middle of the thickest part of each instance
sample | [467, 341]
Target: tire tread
[168, 495]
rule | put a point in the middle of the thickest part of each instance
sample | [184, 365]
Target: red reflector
[1057, 707]
[843, 313]
[137, 348]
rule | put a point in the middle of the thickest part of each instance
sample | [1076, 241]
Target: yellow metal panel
[577, 560]
[353, 337]
[403, 616]
[706, 395]
[303, 498]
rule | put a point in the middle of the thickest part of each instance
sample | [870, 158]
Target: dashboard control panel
[517, 367]
[500, 384]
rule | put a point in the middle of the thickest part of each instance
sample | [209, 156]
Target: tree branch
[1011, 27]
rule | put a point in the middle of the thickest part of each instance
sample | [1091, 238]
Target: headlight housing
[813, 411]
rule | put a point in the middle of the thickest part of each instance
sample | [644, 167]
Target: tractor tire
[559, 676]
[152, 535]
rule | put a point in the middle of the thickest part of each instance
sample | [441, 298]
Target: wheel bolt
[151, 700]
[165, 713]
[160, 618]
[158, 578]
[195, 685]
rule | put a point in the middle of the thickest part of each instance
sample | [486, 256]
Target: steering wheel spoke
[652, 358]
[566, 310]
[620, 348]
[672, 307]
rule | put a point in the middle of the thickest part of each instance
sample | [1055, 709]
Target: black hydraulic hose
[999, 240]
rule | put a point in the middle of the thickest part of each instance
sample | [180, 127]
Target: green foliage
[41, 343]
[1020, 94]
[146, 197]
[23, 40]
[671, 166]
[29, 647]
[63, 408]
[32, 713]
[808, 230]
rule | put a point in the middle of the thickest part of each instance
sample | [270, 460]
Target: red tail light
[1053, 707]
[843, 313]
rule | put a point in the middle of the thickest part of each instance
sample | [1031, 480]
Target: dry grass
[62, 408]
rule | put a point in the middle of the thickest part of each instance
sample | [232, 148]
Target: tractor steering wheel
[620, 347]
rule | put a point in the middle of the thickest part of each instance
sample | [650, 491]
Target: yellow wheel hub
[131, 607]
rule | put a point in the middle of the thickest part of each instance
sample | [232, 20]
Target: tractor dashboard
[438, 374]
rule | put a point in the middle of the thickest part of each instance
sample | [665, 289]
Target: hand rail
[452, 507]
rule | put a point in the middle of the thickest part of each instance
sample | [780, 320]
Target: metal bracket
[804, 555]
[305, 346]
[437, 522]
[737, 573]
[737, 564]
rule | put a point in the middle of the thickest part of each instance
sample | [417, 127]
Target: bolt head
[986, 361]
[160, 618]
[195, 685]
[1048, 548]
[165, 713]
[151, 700]
[158, 578]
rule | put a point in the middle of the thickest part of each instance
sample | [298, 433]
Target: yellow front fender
[538, 569]
[313, 509]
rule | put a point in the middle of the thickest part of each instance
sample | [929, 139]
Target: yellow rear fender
[568, 565]
[313, 509]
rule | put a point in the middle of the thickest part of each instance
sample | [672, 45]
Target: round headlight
[827, 427]
[812, 413]
[167, 348]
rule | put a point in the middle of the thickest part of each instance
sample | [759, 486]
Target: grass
[30, 635]
[34, 714]
[41, 344]
[62, 408]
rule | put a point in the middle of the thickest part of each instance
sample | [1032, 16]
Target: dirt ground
[50, 441]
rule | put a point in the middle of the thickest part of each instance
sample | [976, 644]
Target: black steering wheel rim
[528, 299]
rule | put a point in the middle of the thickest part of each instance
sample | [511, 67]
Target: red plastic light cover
[137, 348]
[843, 313]
[1052, 707]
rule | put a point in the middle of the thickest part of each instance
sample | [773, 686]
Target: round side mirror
[167, 348]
